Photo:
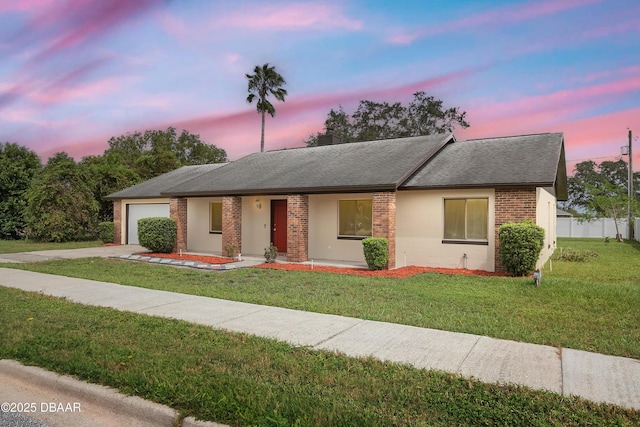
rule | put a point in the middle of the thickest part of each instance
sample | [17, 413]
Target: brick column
[297, 228]
[384, 222]
[178, 212]
[117, 222]
[513, 204]
[231, 224]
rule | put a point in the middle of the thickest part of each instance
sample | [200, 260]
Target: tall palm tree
[265, 81]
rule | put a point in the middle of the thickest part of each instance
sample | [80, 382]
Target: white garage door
[139, 211]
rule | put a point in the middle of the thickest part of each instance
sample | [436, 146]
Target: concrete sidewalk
[568, 372]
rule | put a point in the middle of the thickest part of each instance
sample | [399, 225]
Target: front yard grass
[589, 306]
[244, 380]
[13, 246]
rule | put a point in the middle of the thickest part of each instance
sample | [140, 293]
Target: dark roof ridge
[407, 176]
[510, 136]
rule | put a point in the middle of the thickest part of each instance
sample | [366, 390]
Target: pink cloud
[52, 32]
[509, 14]
[78, 21]
[56, 94]
[239, 132]
[618, 28]
[291, 17]
[600, 138]
[26, 6]
[558, 105]
[173, 25]
[60, 89]
[295, 119]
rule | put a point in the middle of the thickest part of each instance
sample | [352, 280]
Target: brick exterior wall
[298, 228]
[117, 222]
[178, 212]
[231, 224]
[384, 222]
[512, 204]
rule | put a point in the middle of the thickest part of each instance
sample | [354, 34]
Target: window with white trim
[466, 220]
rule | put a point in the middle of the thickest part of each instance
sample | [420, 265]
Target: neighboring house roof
[562, 213]
[364, 166]
[509, 161]
[155, 186]
[425, 162]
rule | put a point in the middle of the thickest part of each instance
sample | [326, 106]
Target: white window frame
[464, 239]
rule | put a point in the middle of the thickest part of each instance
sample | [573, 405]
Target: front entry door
[279, 224]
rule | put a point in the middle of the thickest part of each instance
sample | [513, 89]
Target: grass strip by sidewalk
[13, 246]
[243, 380]
[589, 306]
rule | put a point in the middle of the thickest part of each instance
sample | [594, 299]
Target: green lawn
[243, 380]
[590, 306]
[13, 246]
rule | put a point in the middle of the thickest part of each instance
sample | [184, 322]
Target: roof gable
[363, 166]
[518, 160]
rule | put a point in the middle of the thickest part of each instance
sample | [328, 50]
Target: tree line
[601, 191]
[63, 200]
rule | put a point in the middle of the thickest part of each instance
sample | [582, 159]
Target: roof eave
[483, 185]
[284, 191]
[111, 197]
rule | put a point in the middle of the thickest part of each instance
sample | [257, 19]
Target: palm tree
[265, 81]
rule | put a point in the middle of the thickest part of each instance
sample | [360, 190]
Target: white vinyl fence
[599, 228]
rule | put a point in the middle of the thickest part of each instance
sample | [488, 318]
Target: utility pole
[630, 188]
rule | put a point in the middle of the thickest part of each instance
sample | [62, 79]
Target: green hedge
[520, 246]
[106, 232]
[158, 234]
[376, 252]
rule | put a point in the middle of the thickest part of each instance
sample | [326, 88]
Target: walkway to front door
[279, 224]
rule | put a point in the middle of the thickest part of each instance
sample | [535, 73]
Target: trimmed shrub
[376, 252]
[106, 232]
[158, 234]
[520, 246]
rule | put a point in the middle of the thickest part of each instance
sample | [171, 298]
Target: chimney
[329, 138]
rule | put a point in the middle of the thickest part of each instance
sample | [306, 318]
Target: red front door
[279, 224]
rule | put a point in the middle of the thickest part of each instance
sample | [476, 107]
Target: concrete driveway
[100, 251]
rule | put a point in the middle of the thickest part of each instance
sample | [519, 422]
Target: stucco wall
[198, 237]
[323, 229]
[546, 218]
[420, 230]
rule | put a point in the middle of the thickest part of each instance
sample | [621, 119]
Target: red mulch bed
[397, 273]
[190, 257]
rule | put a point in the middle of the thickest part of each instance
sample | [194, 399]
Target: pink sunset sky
[76, 73]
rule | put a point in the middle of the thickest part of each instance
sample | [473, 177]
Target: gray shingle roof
[155, 186]
[426, 162]
[518, 160]
[364, 166]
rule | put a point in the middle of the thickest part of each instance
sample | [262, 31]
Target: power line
[592, 158]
